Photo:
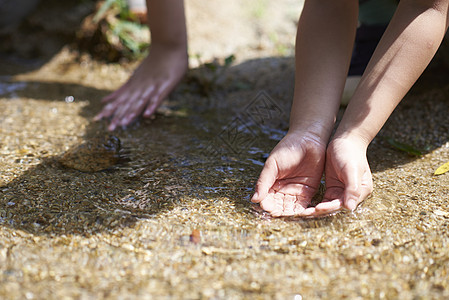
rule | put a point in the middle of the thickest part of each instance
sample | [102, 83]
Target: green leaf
[101, 12]
[128, 32]
[211, 66]
[442, 169]
[404, 147]
[229, 60]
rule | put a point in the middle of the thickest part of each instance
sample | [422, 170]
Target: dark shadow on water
[216, 149]
[167, 163]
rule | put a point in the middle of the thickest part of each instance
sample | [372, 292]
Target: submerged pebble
[93, 155]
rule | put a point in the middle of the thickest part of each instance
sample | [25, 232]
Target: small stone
[93, 155]
[441, 212]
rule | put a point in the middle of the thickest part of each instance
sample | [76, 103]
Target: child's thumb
[352, 177]
[266, 180]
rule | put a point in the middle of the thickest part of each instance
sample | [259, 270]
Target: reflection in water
[9, 88]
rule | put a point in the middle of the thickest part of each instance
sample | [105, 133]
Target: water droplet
[69, 99]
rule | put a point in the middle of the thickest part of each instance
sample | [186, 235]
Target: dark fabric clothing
[366, 40]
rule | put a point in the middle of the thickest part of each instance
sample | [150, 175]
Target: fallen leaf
[442, 169]
[195, 236]
[404, 147]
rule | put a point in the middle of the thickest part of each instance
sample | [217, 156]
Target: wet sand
[173, 218]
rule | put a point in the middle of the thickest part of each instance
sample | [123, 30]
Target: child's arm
[167, 22]
[159, 73]
[324, 42]
[293, 171]
[408, 45]
[403, 53]
[322, 57]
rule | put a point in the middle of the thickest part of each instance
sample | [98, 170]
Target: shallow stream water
[172, 219]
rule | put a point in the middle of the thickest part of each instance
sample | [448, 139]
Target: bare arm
[403, 53]
[408, 45]
[159, 72]
[292, 172]
[324, 42]
[167, 22]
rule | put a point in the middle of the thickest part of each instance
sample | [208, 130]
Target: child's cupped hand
[293, 171]
[348, 176]
[291, 176]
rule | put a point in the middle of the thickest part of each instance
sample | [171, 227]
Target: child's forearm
[167, 22]
[407, 47]
[325, 36]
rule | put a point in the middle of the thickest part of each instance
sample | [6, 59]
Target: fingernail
[127, 120]
[351, 204]
[255, 197]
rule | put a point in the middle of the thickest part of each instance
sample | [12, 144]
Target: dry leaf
[195, 236]
[442, 169]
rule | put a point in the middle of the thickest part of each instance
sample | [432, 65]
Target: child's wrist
[169, 45]
[319, 131]
[354, 136]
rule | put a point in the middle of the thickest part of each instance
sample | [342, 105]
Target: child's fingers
[272, 205]
[112, 107]
[308, 212]
[133, 113]
[121, 106]
[133, 109]
[106, 112]
[352, 176]
[332, 201]
[290, 207]
[367, 185]
[158, 94]
[120, 116]
[328, 207]
[266, 180]
[111, 96]
[151, 108]
[365, 194]
[99, 116]
[303, 187]
[114, 94]
[358, 186]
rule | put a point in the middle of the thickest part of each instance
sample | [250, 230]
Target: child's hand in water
[348, 176]
[153, 80]
[291, 175]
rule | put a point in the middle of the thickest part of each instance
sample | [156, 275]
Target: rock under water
[93, 155]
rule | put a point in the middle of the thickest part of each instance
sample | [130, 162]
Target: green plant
[404, 147]
[124, 31]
